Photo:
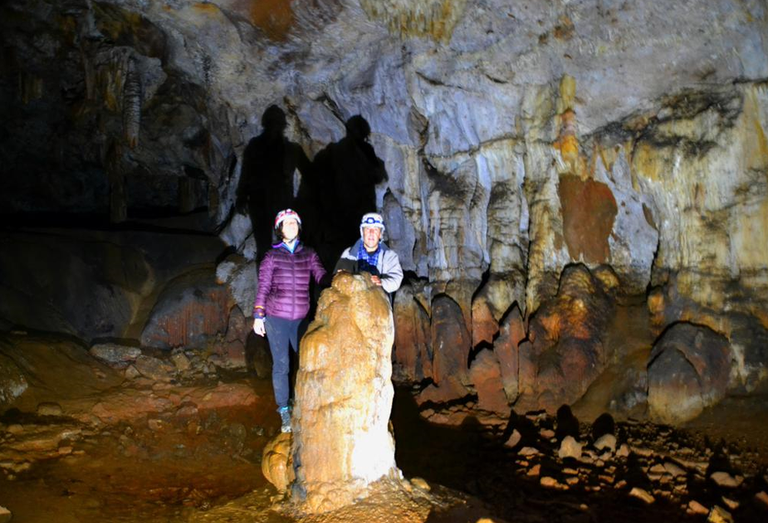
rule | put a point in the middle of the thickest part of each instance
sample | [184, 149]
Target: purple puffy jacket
[284, 282]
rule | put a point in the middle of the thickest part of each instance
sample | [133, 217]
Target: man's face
[371, 237]
[290, 229]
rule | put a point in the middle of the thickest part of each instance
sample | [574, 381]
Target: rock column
[344, 393]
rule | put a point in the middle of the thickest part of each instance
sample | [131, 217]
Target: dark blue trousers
[281, 334]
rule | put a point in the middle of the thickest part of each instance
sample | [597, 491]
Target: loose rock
[570, 448]
[514, 439]
[723, 479]
[548, 482]
[696, 508]
[719, 515]
[673, 469]
[642, 495]
[606, 441]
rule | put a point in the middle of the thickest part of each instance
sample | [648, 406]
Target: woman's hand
[258, 327]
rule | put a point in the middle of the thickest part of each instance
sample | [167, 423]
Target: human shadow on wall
[266, 180]
[341, 189]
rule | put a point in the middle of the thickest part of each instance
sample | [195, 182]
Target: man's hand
[376, 280]
[258, 327]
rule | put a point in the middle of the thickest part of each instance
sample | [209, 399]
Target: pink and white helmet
[284, 215]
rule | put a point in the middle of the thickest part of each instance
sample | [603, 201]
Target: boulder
[190, 312]
[114, 354]
[344, 397]
[241, 276]
[154, 368]
[688, 370]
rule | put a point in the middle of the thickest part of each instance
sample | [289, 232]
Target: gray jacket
[388, 265]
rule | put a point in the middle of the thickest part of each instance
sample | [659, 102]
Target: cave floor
[152, 468]
[176, 464]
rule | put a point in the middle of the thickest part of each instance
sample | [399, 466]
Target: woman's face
[290, 229]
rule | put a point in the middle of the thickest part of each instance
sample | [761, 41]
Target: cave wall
[518, 139]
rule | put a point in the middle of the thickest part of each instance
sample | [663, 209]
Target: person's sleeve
[344, 263]
[318, 271]
[266, 269]
[392, 274]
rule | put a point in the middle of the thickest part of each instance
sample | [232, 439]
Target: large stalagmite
[342, 442]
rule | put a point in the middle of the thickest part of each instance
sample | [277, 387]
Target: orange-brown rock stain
[564, 30]
[589, 210]
[274, 17]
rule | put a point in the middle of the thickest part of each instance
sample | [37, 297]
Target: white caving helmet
[372, 219]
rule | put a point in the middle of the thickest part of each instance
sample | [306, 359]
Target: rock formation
[689, 370]
[342, 443]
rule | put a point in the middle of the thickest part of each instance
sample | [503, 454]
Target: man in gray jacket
[370, 254]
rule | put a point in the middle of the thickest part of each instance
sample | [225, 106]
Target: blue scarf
[368, 261]
[287, 247]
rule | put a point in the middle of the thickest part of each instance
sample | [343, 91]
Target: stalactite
[131, 104]
[434, 18]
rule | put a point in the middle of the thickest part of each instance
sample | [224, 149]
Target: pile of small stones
[646, 461]
[178, 366]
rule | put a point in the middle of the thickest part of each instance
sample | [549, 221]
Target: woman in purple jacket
[282, 301]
